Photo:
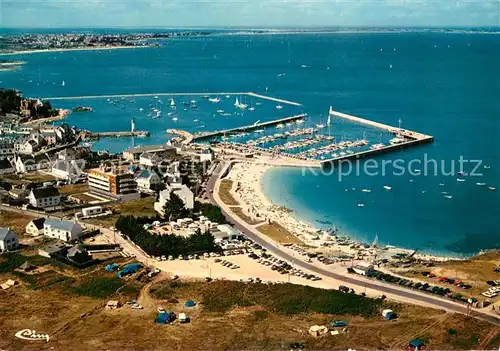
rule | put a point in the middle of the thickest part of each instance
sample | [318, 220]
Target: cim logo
[28, 334]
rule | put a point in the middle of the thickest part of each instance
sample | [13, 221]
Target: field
[137, 208]
[15, 221]
[279, 234]
[69, 306]
[74, 189]
[225, 192]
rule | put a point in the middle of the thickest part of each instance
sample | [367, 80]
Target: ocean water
[443, 84]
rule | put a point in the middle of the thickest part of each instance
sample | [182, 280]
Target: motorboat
[279, 107]
[214, 100]
[387, 187]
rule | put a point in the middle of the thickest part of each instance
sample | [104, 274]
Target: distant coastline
[26, 52]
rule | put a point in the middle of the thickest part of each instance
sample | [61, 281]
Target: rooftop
[60, 224]
[150, 148]
[4, 231]
[40, 193]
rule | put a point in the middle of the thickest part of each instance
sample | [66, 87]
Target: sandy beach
[26, 52]
[248, 192]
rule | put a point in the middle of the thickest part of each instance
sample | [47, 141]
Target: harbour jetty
[97, 135]
[220, 133]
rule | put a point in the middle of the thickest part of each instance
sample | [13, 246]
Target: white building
[29, 163]
[35, 227]
[363, 268]
[8, 240]
[62, 229]
[230, 231]
[146, 179]
[149, 159]
[44, 197]
[6, 149]
[28, 147]
[68, 170]
[182, 191]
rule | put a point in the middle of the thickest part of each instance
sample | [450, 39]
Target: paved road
[354, 280]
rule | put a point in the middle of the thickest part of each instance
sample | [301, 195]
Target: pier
[98, 135]
[204, 136]
[411, 138]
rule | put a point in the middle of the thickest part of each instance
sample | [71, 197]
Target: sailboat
[172, 102]
[279, 107]
[63, 83]
[238, 104]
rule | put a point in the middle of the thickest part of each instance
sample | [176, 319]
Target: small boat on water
[441, 184]
[460, 180]
[387, 187]
[448, 196]
[196, 120]
[480, 184]
[63, 83]
[461, 173]
[280, 125]
[174, 119]
[320, 126]
[366, 190]
[258, 103]
[226, 114]
[486, 167]
[228, 96]
[279, 107]
[299, 121]
[444, 192]
[251, 109]
[220, 111]
[492, 188]
[214, 100]
[239, 104]
[170, 113]
[141, 109]
[361, 205]
[186, 103]
[172, 102]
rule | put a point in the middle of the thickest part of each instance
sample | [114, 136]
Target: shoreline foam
[248, 191]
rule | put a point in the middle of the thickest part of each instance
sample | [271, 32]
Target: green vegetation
[174, 208]
[212, 212]
[10, 101]
[99, 287]
[287, 299]
[158, 245]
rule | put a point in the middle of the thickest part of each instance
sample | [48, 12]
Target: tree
[174, 208]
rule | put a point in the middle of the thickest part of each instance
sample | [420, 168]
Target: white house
[29, 163]
[62, 229]
[28, 147]
[44, 197]
[68, 170]
[35, 227]
[149, 159]
[8, 239]
[146, 179]
[363, 268]
[182, 191]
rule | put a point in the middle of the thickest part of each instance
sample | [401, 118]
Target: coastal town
[28, 43]
[193, 213]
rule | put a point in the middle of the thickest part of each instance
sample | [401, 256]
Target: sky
[249, 13]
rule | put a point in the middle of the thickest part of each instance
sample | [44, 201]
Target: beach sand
[25, 52]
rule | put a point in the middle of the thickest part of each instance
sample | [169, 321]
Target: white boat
[480, 184]
[335, 155]
[141, 109]
[63, 83]
[320, 126]
[238, 104]
[460, 180]
[214, 100]
[448, 196]
[258, 103]
[299, 121]
[228, 96]
[172, 102]
[396, 140]
[342, 153]
[387, 187]
[441, 184]
[280, 125]
[174, 119]
[492, 188]
[226, 114]
[220, 111]
[279, 107]
[377, 146]
[170, 113]
[366, 190]
[486, 167]
[251, 109]
[196, 120]
[361, 205]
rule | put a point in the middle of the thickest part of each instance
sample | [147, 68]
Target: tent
[190, 303]
[112, 267]
[416, 345]
[165, 318]
[129, 269]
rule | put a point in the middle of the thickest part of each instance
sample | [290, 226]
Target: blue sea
[443, 84]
